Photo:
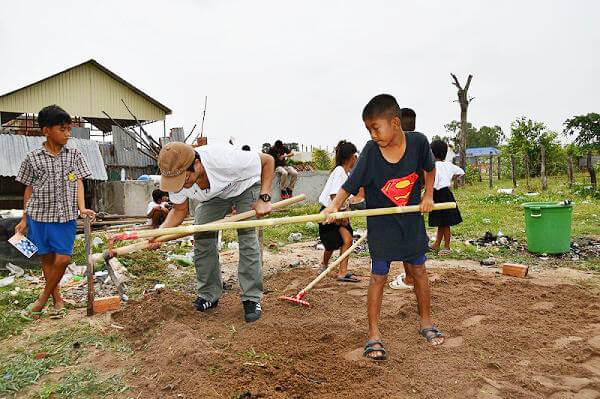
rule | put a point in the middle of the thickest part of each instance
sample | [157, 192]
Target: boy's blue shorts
[52, 238]
[382, 267]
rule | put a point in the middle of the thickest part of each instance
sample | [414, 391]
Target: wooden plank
[90, 267]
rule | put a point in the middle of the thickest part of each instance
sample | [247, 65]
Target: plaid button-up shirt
[54, 182]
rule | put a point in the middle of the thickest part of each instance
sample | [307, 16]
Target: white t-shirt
[230, 172]
[336, 180]
[444, 172]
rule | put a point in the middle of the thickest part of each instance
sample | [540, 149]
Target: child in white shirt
[338, 235]
[445, 173]
[158, 208]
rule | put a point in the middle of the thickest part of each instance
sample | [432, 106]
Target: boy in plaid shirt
[54, 191]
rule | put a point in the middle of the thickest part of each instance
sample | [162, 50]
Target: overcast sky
[302, 71]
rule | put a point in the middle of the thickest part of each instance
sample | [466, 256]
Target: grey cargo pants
[206, 254]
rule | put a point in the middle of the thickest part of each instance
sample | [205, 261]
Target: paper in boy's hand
[23, 244]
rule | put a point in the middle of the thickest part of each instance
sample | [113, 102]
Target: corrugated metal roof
[482, 151]
[85, 90]
[14, 148]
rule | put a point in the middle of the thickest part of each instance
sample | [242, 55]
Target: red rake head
[296, 299]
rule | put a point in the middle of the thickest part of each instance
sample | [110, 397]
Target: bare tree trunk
[512, 170]
[591, 170]
[491, 171]
[499, 173]
[543, 168]
[463, 101]
[526, 161]
[570, 171]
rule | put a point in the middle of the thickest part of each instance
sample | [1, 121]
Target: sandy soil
[506, 338]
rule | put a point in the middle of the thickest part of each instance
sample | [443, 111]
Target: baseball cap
[173, 161]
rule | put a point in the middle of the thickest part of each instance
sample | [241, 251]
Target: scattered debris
[5, 282]
[97, 241]
[15, 270]
[172, 267]
[311, 225]
[488, 262]
[159, 286]
[320, 247]
[295, 263]
[295, 237]
[505, 190]
[182, 260]
[234, 245]
[499, 240]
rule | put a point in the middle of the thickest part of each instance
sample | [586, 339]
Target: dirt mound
[504, 340]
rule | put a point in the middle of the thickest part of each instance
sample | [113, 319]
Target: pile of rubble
[581, 248]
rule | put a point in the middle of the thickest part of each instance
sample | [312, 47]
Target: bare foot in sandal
[432, 335]
[374, 350]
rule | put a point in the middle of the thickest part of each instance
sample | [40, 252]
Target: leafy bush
[321, 159]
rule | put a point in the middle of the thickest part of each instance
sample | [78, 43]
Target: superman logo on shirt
[398, 190]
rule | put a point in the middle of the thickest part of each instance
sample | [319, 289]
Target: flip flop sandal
[348, 278]
[399, 284]
[369, 347]
[430, 337]
[29, 314]
[444, 252]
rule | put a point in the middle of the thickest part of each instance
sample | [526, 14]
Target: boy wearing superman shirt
[388, 169]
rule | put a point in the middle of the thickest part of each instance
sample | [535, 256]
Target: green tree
[486, 136]
[454, 129]
[528, 136]
[586, 129]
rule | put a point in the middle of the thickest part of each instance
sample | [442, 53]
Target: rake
[299, 297]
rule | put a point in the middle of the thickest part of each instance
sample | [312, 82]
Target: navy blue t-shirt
[394, 237]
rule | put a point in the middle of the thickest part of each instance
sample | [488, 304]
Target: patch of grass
[84, 383]
[11, 305]
[20, 368]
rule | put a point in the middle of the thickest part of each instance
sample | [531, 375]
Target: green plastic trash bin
[548, 226]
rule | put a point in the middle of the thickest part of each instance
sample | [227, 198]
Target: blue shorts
[52, 238]
[382, 267]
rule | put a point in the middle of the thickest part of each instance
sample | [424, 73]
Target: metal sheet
[14, 148]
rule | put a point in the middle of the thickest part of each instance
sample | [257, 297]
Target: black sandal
[369, 348]
[433, 329]
[348, 278]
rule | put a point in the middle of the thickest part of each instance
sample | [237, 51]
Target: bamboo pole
[134, 235]
[95, 258]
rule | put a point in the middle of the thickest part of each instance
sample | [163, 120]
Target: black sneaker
[202, 304]
[284, 194]
[289, 192]
[252, 311]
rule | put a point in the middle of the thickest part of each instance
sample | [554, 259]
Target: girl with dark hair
[338, 235]
[445, 173]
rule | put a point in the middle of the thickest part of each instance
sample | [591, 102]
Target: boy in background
[54, 191]
[388, 169]
[158, 208]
